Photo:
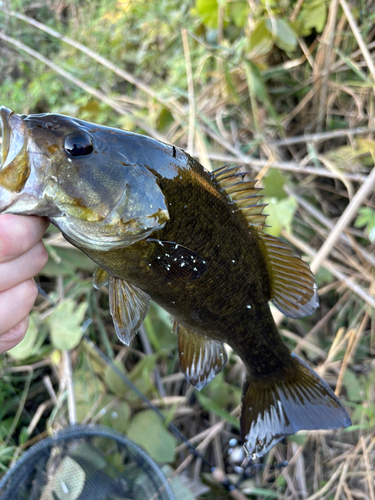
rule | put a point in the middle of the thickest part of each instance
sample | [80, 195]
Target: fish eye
[78, 144]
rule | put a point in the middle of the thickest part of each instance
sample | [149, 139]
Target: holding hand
[22, 256]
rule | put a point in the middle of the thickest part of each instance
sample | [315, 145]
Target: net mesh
[85, 463]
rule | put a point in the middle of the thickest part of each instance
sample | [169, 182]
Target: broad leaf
[147, 429]
[66, 324]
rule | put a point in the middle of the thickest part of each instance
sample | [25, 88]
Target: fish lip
[5, 114]
[14, 137]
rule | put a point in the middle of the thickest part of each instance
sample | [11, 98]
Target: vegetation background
[285, 88]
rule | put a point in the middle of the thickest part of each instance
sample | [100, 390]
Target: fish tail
[275, 407]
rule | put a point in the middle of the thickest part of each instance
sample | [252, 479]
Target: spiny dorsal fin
[293, 287]
[243, 193]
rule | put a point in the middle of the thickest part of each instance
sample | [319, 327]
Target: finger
[23, 268]
[16, 303]
[14, 336]
[19, 233]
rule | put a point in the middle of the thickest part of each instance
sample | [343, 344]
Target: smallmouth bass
[161, 227]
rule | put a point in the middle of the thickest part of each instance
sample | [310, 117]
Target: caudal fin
[273, 408]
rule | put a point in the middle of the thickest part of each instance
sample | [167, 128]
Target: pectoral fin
[175, 262]
[101, 278]
[129, 306]
[200, 357]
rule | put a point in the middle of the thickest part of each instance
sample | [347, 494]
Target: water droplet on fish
[233, 261]
[248, 306]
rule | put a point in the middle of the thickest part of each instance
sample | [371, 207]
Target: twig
[344, 220]
[330, 225]
[352, 346]
[148, 350]
[189, 75]
[84, 86]
[323, 136]
[369, 473]
[327, 47]
[358, 37]
[319, 494]
[352, 285]
[173, 107]
[342, 479]
[258, 164]
[68, 373]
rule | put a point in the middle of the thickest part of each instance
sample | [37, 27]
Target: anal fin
[200, 357]
[129, 306]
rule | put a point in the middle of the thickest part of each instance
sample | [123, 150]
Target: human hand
[22, 255]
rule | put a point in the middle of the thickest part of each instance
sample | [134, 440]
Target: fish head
[77, 174]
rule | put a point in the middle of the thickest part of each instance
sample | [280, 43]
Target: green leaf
[180, 490]
[147, 429]
[260, 40]
[66, 324]
[282, 33]
[67, 481]
[117, 416]
[208, 12]
[273, 184]
[26, 347]
[210, 405]
[66, 262]
[353, 388]
[313, 16]
[281, 213]
[114, 381]
[238, 12]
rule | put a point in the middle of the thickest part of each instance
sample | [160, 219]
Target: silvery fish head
[77, 174]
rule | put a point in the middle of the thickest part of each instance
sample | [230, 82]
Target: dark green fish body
[161, 227]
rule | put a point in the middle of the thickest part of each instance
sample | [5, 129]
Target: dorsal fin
[293, 288]
[243, 193]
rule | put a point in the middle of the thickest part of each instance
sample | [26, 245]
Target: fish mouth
[14, 169]
[5, 113]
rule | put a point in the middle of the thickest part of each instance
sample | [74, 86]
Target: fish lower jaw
[95, 235]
